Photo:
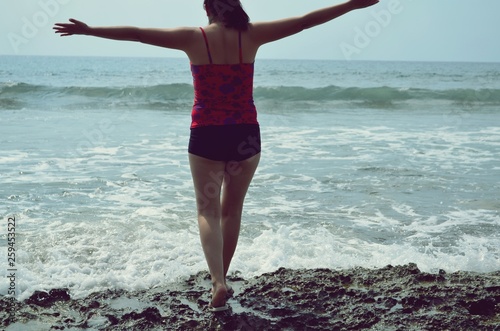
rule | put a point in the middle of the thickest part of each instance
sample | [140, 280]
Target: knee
[209, 212]
[231, 213]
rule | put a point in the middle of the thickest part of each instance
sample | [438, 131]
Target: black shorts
[226, 143]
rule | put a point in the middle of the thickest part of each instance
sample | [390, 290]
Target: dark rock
[47, 299]
[392, 298]
[113, 319]
[429, 278]
[150, 315]
[94, 305]
[483, 307]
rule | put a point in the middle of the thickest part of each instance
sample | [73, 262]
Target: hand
[358, 4]
[69, 29]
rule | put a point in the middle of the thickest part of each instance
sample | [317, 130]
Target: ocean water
[363, 164]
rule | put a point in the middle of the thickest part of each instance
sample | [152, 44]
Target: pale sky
[402, 30]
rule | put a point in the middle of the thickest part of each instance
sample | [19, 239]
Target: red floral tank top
[223, 93]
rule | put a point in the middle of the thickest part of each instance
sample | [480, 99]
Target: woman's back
[224, 46]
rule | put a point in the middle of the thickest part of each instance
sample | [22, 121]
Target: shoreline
[389, 298]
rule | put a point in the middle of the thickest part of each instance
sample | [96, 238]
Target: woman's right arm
[266, 32]
[177, 38]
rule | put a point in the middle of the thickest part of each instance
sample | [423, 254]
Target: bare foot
[219, 296]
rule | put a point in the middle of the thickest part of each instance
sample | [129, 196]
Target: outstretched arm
[178, 38]
[266, 32]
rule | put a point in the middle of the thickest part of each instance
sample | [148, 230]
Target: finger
[62, 31]
[64, 25]
[75, 21]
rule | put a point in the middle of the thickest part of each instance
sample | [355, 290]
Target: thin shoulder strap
[206, 43]
[241, 49]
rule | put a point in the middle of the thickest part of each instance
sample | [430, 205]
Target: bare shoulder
[177, 38]
[269, 31]
[183, 31]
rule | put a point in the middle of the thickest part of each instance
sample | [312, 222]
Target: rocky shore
[390, 298]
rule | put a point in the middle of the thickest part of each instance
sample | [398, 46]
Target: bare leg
[220, 225]
[207, 178]
[236, 183]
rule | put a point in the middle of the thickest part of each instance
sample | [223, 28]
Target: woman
[224, 147]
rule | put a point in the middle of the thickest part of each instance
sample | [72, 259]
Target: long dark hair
[228, 12]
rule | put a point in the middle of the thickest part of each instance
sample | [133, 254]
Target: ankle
[220, 287]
